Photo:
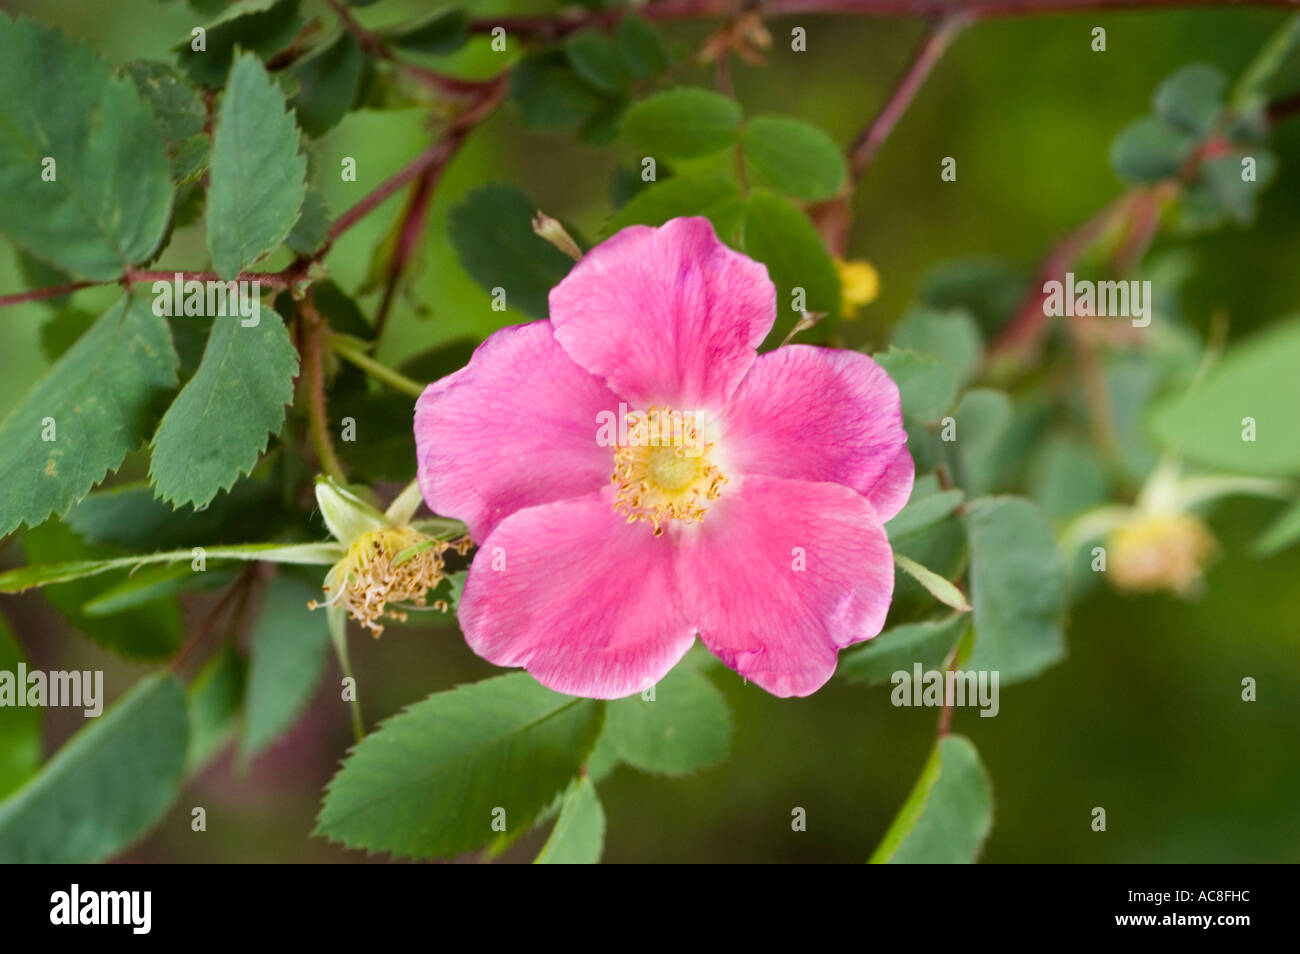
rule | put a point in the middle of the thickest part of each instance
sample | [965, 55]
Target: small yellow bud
[859, 284]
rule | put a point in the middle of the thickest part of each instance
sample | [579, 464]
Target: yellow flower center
[1163, 551]
[394, 565]
[663, 470]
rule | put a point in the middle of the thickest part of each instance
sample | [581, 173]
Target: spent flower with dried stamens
[387, 562]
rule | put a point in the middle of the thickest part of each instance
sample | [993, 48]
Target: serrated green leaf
[20, 726]
[493, 235]
[1149, 150]
[1256, 379]
[107, 786]
[780, 236]
[149, 631]
[107, 205]
[682, 123]
[102, 396]
[578, 837]
[948, 814]
[313, 226]
[900, 648]
[220, 422]
[685, 728]
[426, 782]
[261, 27]
[926, 385]
[176, 106]
[191, 159]
[713, 195]
[950, 334]
[289, 649]
[1017, 585]
[327, 84]
[983, 420]
[258, 175]
[793, 157]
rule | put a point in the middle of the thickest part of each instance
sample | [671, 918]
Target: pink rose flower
[755, 520]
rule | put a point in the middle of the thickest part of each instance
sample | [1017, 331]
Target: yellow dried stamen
[394, 565]
[1160, 551]
[663, 471]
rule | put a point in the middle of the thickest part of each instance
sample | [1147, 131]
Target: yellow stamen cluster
[663, 471]
[394, 565]
[1161, 551]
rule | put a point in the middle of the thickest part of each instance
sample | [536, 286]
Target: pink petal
[821, 414]
[665, 315]
[585, 601]
[514, 428]
[771, 622]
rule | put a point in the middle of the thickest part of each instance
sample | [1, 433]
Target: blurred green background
[1144, 718]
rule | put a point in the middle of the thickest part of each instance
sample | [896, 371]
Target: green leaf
[176, 106]
[494, 239]
[289, 649]
[148, 631]
[131, 517]
[948, 814]
[902, 647]
[312, 228]
[102, 397]
[1148, 150]
[20, 727]
[983, 421]
[305, 554]
[220, 422]
[192, 158]
[1256, 379]
[713, 195]
[1068, 479]
[1191, 99]
[1017, 584]
[261, 27]
[927, 386]
[550, 95]
[327, 84]
[152, 583]
[1233, 196]
[598, 60]
[444, 32]
[427, 782]
[781, 237]
[258, 176]
[107, 786]
[1281, 533]
[923, 511]
[951, 334]
[214, 700]
[108, 203]
[682, 123]
[685, 728]
[579, 833]
[941, 589]
[643, 47]
[1254, 83]
[793, 157]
